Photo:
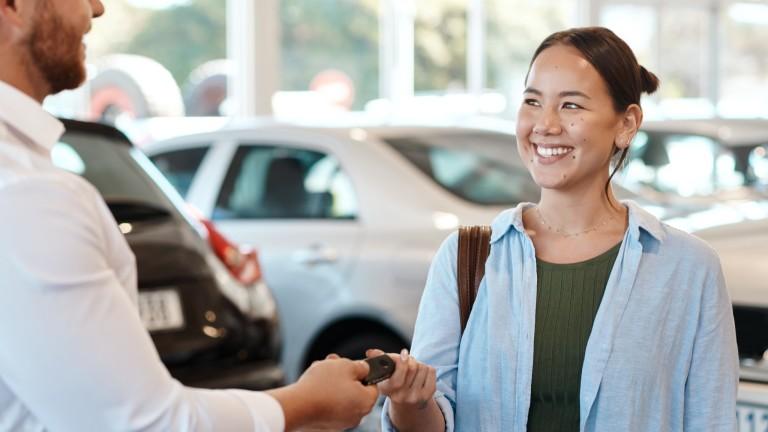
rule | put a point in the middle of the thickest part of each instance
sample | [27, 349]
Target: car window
[110, 166]
[269, 182]
[752, 341]
[180, 166]
[683, 164]
[758, 164]
[482, 168]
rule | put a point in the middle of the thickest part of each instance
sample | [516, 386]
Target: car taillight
[242, 262]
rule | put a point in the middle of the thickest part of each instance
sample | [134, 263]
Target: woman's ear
[629, 124]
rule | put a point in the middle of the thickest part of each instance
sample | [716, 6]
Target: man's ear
[630, 123]
[10, 13]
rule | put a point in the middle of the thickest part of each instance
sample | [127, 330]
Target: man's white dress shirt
[74, 355]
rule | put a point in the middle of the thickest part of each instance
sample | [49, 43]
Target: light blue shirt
[662, 354]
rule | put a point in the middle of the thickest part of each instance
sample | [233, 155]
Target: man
[74, 355]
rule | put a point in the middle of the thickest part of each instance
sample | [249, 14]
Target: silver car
[743, 249]
[699, 162]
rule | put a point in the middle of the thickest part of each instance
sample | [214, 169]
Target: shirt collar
[27, 117]
[638, 219]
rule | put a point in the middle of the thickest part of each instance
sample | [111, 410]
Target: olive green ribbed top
[567, 299]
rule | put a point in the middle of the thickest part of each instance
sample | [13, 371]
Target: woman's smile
[550, 154]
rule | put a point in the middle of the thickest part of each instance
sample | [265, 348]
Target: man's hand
[329, 395]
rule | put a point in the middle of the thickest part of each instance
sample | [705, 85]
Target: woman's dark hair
[616, 64]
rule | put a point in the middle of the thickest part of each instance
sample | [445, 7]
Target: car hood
[724, 214]
[743, 248]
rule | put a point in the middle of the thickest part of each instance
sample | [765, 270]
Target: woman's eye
[532, 102]
[571, 105]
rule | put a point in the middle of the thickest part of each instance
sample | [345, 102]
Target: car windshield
[118, 171]
[480, 167]
[692, 165]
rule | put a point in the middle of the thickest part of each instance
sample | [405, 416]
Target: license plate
[752, 417]
[161, 310]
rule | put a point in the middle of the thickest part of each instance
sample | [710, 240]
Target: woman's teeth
[552, 151]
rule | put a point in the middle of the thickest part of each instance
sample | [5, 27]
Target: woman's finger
[373, 353]
[430, 383]
[398, 377]
[413, 369]
[421, 378]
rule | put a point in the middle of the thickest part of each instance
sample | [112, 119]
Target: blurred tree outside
[514, 30]
[683, 56]
[180, 37]
[744, 61]
[183, 37]
[318, 35]
[441, 46]
[119, 24]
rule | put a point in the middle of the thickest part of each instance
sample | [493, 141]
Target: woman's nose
[548, 123]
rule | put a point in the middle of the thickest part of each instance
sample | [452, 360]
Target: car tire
[133, 85]
[207, 89]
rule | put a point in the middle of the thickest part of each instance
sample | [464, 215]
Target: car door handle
[316, 254]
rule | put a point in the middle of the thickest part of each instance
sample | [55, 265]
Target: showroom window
[329, 54]
[440, 34]
[744, 83]
[180, 166]
[513, 31]
[267, 182]
[672, 41]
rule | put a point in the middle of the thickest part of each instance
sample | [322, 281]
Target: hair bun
[649, 80]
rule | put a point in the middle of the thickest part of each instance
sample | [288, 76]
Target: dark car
[211, 316]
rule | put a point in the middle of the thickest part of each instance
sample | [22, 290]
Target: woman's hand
[411, 391]
[412, 384]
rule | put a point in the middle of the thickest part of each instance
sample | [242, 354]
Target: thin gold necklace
[570, 234]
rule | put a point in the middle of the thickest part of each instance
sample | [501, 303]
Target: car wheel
[135, 86]
[207, 89]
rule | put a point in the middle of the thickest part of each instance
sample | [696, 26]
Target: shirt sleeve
[438, 331]
[712, 384]
[75, 352]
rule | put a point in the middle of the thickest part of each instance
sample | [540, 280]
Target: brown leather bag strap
[474, 247]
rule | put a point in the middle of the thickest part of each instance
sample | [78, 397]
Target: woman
[592, 314]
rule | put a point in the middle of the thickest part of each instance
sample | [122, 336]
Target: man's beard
[54, 50]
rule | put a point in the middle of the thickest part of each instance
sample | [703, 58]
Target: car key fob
[381, 368]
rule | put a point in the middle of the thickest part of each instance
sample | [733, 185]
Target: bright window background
[514, 30]
[711, 59]
[744, 66]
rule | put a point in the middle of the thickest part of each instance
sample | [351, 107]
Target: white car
[743, 250]
[346, 220]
